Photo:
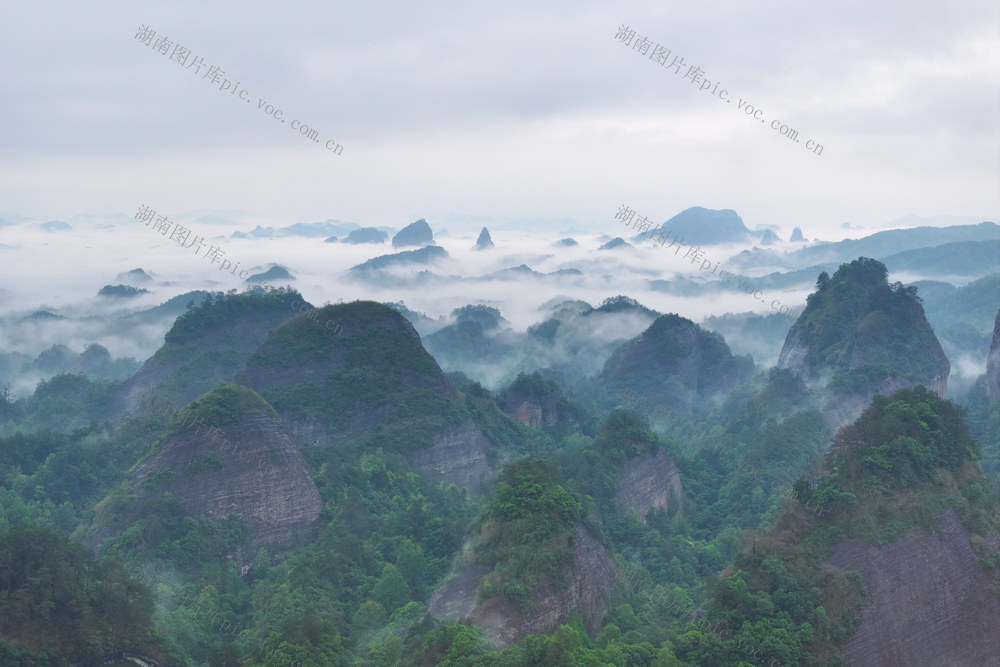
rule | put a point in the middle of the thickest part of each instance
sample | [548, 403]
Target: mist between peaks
[695, 435]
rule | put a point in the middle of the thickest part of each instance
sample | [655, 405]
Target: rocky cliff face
[249, 469]
[796, 355]
[929, 600]
[993, 364]
[649, 482]
[589, 580]
[926, 594]
[533, 412]
[540, 404]
[458, 457]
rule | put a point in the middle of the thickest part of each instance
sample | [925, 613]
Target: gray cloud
[513, 111]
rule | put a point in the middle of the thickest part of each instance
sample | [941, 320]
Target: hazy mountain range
[526, 453]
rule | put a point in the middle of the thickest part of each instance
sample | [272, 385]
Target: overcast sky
[506, 111]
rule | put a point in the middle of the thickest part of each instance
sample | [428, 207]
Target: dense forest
[727, 566]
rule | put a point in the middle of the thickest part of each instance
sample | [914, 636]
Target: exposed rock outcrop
[458, 456]
[649, 482]
[533, 412]
[248, 468]
[589, 581]
[540, 404]
[929, 601]
[900, 538]
[415, 233]
[993, 364]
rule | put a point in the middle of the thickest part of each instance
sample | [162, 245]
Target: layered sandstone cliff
[929, 600]
[458, 456]
[586, 589]
[248, 469]
[534, 412]
[539, 403]
[649, 482]
[373, 385]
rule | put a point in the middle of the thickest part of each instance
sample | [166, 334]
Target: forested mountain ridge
[675, 363]
[207, 346]
[373, 386]
[531, 563]
[905, 471]
[410, 517]
[883, 244]
[229, 461]
[859, 336]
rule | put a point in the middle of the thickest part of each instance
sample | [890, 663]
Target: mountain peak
[484, 241]
[704, 226]
[864, 336]
[415, 233]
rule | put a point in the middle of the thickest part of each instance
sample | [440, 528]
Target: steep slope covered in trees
[372, 386]
[59, 605]
[901, 490]
[207, 346]
[860, 336]
[532, 563]
[238, 466]
[678, 364]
